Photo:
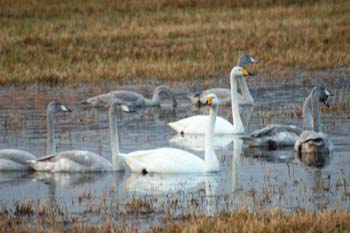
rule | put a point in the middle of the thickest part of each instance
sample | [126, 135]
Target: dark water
[248, 178]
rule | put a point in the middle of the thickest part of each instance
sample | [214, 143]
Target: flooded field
[249, 178]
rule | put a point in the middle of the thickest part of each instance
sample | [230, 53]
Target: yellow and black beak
[246, 73]
[209, 101]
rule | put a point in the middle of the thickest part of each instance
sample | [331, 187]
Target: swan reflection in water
[170, 183]
[13, 178]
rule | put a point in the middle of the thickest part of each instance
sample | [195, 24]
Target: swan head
[55, 106]
[212, 100]
[245, 59]
[324, 95]
[238, 71]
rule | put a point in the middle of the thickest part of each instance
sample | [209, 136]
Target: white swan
[314, 147]
[277, 135]
[224, 94]
[130, 98]
[15, 160]
[80, 160]
[171, 160]
[197, 124]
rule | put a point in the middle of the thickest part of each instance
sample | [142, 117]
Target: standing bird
[314, 147]
[276, 135]
[197, 124]
[15, 160]
[224, 94]
[81, 160]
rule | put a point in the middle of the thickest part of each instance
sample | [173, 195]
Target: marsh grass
[72, 42]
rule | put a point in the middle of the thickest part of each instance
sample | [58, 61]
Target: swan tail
[44, 163]
[37, 165]
[175, 126]
[135, 165]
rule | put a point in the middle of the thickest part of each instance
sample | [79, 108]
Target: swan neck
[315, 107]
[210, 159]
[155, 99]
[162, 89]
[51, 143]
[237, 121]
[113, 131]
[247, 97]
[307, 115]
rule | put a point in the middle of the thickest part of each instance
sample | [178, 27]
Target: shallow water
[248, 178]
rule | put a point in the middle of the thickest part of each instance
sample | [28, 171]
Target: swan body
[71, 161]
[197, 142]
[15, 160]
[164, 160]
[171, 160]
[276, 135]
[130, 98]
[314, 147]
[79, 160]
[194, 125]
[197, 124]
[224, 94]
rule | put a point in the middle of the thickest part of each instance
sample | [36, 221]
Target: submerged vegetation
[70, 42]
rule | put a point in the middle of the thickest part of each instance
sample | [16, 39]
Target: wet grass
[242, 220]
[72, 42]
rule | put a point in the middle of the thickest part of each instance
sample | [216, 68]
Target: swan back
[14, 160]
[71, 161]
[171, 160]
[313, 148]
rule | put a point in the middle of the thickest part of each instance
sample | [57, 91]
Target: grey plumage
[224, 94]
[130, 98]
[276, 135]
[314, 147]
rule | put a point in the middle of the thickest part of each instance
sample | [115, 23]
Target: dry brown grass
[261, 221]
[273, 220]
[93, 40]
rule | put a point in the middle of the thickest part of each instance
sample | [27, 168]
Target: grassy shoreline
[94, 41]
[242, 220]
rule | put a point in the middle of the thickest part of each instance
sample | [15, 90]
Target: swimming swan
[197, 124]
[224, 94]
[15, 160]
[171, 160]
[276, 135]
[130, 98]
[79, 160]
[314, 147]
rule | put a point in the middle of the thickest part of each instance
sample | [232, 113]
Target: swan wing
[223, 94]
[71, 161]
[198, 125]
[122, 97]
[273, 129]
[163, 160]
